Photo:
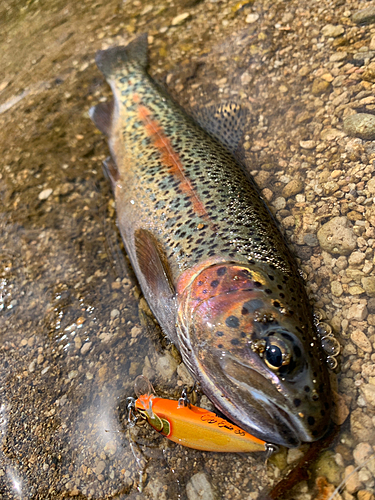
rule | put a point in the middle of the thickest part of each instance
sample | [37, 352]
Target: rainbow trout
[212, 264]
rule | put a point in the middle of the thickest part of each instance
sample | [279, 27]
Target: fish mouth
[255, 401]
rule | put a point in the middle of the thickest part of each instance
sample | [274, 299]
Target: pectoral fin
[156, 280]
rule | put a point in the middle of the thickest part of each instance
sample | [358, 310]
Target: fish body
[212, 264]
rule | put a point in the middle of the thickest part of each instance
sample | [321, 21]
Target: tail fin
[116, 58]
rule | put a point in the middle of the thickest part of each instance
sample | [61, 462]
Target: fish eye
[277, 353]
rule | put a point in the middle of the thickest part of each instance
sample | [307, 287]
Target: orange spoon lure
[192, 426]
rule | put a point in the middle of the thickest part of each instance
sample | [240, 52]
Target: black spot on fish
[306, 388]
[311, 420]
[281, 295]
[279, 287]
[221, 271]
[326, 405]
[271, 277]
[243, 334]
[276, 303]
[297, 402]
[244, 311]
[297, 351]
[219, 334]
[235, 342]
[257, 284]
[220, 346]
[214, 283]
[268, 291]
[322, 412]
[200, 283]
[232, 322]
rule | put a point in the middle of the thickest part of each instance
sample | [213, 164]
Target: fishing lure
[191, 426]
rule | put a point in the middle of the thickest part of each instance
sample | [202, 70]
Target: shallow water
[75, 330]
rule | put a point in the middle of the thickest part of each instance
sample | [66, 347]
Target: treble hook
[132, 416]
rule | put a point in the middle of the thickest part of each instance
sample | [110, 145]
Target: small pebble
[360, 340]
[357, 312]
[166, 366]
[46, 193]
[251, 18]
[329, 30]
[279, 203]
[86, 347]
[115, 313]
[180, 19]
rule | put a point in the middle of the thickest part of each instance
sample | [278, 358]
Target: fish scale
[213, 266]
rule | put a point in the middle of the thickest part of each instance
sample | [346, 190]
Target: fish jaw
[251, 359]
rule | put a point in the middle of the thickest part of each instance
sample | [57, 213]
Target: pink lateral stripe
[170, 158]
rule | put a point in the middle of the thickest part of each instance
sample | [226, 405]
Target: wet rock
[357, 311]
[180, 19]
[331, 134]
[326, 466]
[329, 30]
[252, 18]
[362, 452]
[311, 240]
[307, 144]
[371, 185]
[360, 57]
[368, 283]
[100, 467]
[155, 488]
[262, 179]
[336, 288]
[352, 483]
[295, 454]
[364, 16]
[293, 187]
[166, 366]
[371, 305]
[320, 86]
[365, 495]
[369, 73]
[199, 488]
[360, 125]
[356, 258]
[337, 237]
[356, 290]
[368, 391]
[46, 193]
[361, 426]
[338, 56]
[360, 340]
[340, 409]
[279, 203]
[184, 375]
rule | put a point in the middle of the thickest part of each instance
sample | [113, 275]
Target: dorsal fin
[157, 280]
[226, 122]
[112, 60]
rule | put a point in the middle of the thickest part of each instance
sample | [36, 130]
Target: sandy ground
[74, 328]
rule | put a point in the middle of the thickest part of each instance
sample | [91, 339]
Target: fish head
[255, 353]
